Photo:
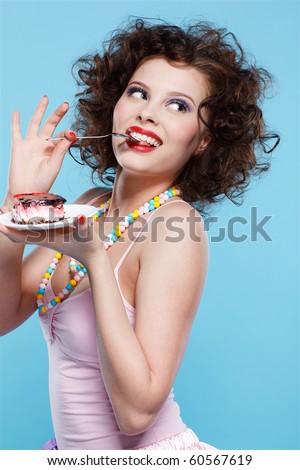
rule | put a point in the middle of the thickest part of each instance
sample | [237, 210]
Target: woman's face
[160, 104]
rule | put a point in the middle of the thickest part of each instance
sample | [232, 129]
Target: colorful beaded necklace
[78, 269]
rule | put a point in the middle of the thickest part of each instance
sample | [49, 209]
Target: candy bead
[58, 255]
[40, 296]
[45, 281]
[52, 265]
[42, 285]
[68, 287]
[73, 283]
[47, 275]
[57, 299]
[61, 295]
[77, 278]
[55, 260]
[65, 291]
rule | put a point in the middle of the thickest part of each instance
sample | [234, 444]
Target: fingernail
[74, 137]
[81, 219]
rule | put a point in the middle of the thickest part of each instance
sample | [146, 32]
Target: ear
[204, 142]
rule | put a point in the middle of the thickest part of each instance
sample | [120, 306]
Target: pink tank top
[82, 414]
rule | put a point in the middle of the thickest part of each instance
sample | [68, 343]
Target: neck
[131, 191]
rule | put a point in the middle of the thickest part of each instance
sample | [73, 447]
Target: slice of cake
[37, 208]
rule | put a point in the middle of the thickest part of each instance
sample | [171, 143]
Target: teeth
[145, 138]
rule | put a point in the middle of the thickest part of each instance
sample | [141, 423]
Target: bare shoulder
[91, 194]
[178, 225]
[176, 252]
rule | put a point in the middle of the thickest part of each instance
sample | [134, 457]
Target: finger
[15, 126]
[4, 209]
[83, 227]
[16, 236]
[68, 135]
[53, 120]
[37, 117]
[62, 146]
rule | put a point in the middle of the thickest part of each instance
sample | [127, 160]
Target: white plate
[71, 212]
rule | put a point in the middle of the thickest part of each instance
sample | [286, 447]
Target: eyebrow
[170, 93]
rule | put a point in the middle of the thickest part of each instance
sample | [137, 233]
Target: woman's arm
[139, 365]
[34, 165]
[20, 279]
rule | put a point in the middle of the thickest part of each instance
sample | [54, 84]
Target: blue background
[238, 387]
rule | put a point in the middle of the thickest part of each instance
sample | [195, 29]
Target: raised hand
[35, 161]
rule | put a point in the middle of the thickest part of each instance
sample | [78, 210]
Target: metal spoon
[115, 134]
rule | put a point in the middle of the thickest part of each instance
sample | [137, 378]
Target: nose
[147, 114]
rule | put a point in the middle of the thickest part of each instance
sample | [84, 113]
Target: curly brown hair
[235, 120]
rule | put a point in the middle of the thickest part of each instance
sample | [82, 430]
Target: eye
[137, 92]
[179, 105]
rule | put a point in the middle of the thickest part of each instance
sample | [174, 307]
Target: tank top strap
[97, 197]
[140, 232]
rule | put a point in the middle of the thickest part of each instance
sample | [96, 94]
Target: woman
[113, 305]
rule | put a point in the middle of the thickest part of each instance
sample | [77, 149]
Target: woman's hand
[80, 240]
[35, 162]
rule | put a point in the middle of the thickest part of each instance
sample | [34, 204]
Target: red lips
[147, 132]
